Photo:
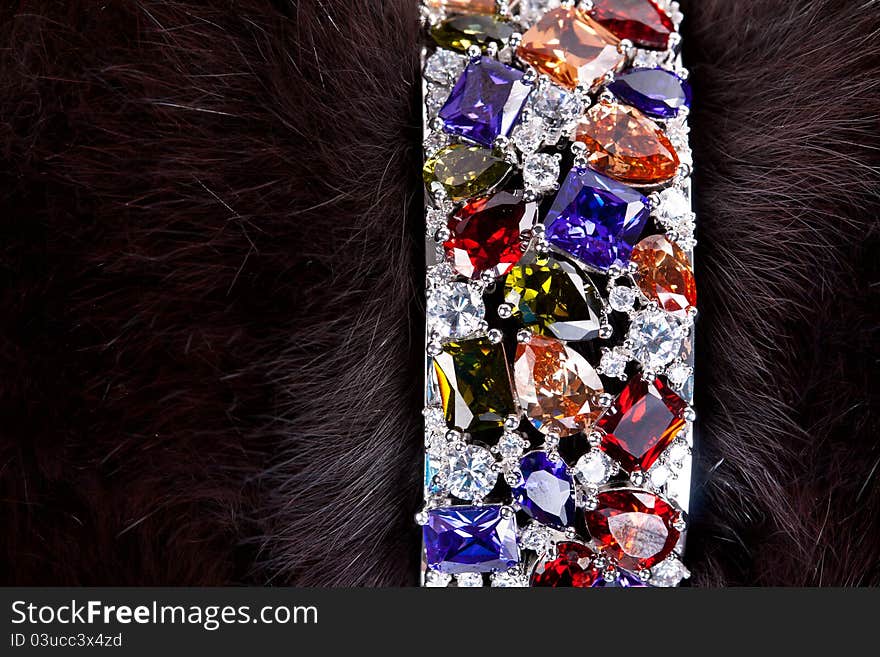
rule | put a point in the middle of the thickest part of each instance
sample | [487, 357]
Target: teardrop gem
[665, 274]
[466, 171]
[626, 145]
[461, 32]
[640, 21]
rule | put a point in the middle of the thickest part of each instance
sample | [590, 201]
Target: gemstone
[445, 66]
[529, 136]
[623, 580]
[466, 171]
[464, 6]
[664, 274]
[640, 21]
[431, 472]
[546, 492]
[572, 568]
[485, 102]
[510, 446]
[571, 48]
[470, 539]
[541, 172]
[634, 527]
[558, 389]
[475, 386]
[557, 108]
[552, 298]
[455, 310]
[669, 573]
[657, 338]
[486, 234]
[462, 32]
[531, 10]
[642, 423]
[594, 468]
[614, 362]
[472, 474]
[621, 298]
[678, 374]
[469, 580]
[509, 580]
[655, 91]
[625, 144]
[596, 219]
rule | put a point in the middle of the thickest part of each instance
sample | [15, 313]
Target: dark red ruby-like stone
[486, 234]
[640, 21]
[634, 527]
[571, 568]
[642, 423]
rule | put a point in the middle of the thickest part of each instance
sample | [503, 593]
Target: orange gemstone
[571, 48]
[665, 274]
[625, 144]
[464, 6]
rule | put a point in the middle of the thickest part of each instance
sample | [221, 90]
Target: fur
[210, 256]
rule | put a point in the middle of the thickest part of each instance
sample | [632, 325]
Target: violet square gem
[485, 102]
[596, 219]
[470, 539]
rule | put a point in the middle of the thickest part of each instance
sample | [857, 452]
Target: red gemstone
[485, 234]
[572, 567]
[634, 527]
[641, 424]
[640, 21]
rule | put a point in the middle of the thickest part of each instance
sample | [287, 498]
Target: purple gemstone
[596, 219]
[546, 493]
[624, 580]
[470, 539]
[655, 91]
[485, 102]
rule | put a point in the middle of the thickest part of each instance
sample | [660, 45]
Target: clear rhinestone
[677, 452]
[530, 11]
[669, 573]
[435, 580]
[455, 310]
[535, 537]
[622, 298]
[472, 473]
[435, 99]
[434, 142]
[541, 172]
[678, 374]
[445, 66]
[529, 135]
[469, 580]
[673, 205]
[594, 468]
[558, 108]
[659, 475]
[510, 446]
[657, 338]
[613, 364]
[509, 580]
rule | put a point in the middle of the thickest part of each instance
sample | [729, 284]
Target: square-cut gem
[485, 102]
[470, 539]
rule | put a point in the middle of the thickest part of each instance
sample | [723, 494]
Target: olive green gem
[466, 171]
[462, 32]
[553, 298]
[475, 384]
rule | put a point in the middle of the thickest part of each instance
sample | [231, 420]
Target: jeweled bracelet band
[560, 294]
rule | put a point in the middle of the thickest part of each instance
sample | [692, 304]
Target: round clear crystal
[510, 446]
[469, 580]
[455, 310]
[535, 537]
[541, 172]
[529, 135]
[656, 337]
[678, 374]
[471, 473]
[444, 66]
[436, 580]
[669, 573]
[613, 364]
[677, 452]
[673, 206]
[557, 106]
[659, 475]
[594, 468]
[509, 580]
[435, 99]
[622, 298]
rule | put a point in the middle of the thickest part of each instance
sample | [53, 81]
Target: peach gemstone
[664, 274]
[571, 48]
[626, 145]
[557, 387]
[464, 6]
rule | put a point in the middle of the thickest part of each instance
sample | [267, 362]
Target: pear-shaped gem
[466, 171]
[462, 32]
[664, 274]
[475, 386]
[640, 21]
[571, 48]
[557, 388]
[552, 298]
[628, 146]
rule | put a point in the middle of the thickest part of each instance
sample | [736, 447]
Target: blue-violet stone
[596, 219]
[470, 539]
[546, 493]
[485, 102]
[655, 91]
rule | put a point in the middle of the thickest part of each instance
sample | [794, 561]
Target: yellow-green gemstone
[475, 384]
[466, 171]
[553, 298]
[462, 32]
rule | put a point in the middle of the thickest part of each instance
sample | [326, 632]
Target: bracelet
[560, 294]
